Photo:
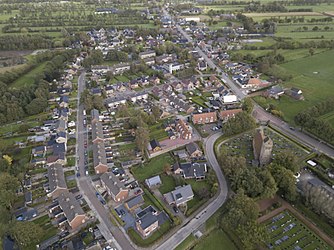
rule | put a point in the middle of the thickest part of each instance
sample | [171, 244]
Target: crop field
[51, 17]
[291, 32]
[289, 54]
[287, 232]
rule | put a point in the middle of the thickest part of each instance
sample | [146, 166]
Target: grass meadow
[314, 76]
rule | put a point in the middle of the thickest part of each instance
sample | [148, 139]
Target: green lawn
[168, 183]
[48, 229]
[215, 240]
[71, 184]
[290, 31]
[187, 243]
[157, 131]
[199, 100]
[152, 167]
[29, 78]
[316, 87]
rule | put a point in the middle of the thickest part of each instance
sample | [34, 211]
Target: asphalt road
[208, 211]
[108, 230]
[236, 90]
[315, 144]
[262, 115]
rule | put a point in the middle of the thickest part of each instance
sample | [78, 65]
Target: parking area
[126, 216]
[287, 232]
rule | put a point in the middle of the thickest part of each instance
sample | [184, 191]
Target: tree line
[309, 120]
[18, 103]
[250, 184]
[240, 123]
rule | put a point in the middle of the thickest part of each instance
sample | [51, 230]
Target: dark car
[176, 210]
[78, 197]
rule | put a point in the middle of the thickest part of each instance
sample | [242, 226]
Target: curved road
[208, 211]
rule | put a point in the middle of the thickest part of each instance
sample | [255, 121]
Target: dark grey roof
[60, 125]
[61, 134]
[39, 148]
[95, 114]
[135, 201]
[318, 183]
[147, 220]
[28, 196]
[69, 205]
[56, 177]
[58, 148]
[113, 183]
[99, 154]
[97, 130]
[194, 170]
[192, 147]
[154, 143]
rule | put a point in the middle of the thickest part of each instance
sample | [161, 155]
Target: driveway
[126, 216]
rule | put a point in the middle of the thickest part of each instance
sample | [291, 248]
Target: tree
[269, 184]
[251, 234]
[26, 233]
[142, 138]
[8, 186]
[285, 180]
[247, 105]
[156, 112]
[240, 211]
[167, 168]
[288, 160]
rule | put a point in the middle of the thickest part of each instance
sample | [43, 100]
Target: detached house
[147, 221]
[114, 187]
[180, 196]
[155, 145]
[193, 150]
[190, 170]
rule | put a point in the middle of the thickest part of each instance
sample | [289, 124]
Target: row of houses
[114, 102]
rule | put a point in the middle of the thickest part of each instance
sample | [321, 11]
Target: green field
[314, 76]
[295, 233]
[329, 117]
[152, 167]
[29, 78]
[215, 240]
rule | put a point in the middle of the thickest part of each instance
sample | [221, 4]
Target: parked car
[176, 210]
